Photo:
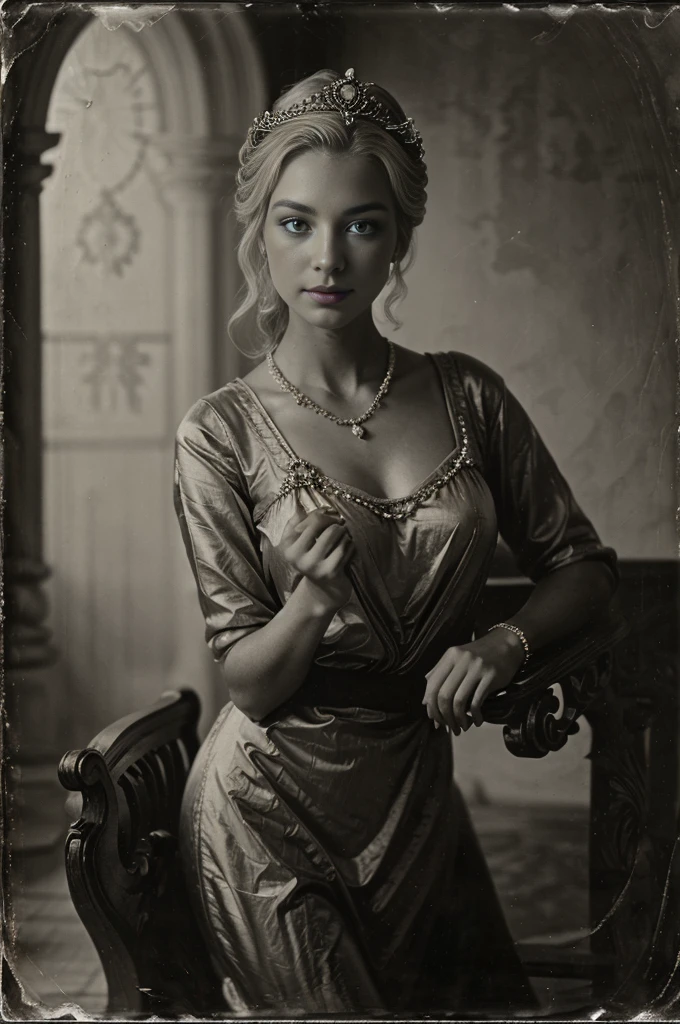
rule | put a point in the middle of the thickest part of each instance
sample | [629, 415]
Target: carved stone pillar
[196, 177]
[33, 700]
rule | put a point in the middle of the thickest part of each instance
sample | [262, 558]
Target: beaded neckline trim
[303, 474]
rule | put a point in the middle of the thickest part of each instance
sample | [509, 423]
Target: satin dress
[329, 855]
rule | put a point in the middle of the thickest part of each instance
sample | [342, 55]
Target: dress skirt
[334, 868]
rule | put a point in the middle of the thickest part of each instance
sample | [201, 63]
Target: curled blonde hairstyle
[259, 172]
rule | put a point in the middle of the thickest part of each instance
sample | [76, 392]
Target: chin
[337, 321]
[330, 316]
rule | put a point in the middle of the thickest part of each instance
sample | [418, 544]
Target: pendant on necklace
[358, 430]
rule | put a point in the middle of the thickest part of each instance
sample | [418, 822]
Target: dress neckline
[454, 419]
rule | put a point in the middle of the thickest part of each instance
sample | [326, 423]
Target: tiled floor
[538, 859]
[54, 957]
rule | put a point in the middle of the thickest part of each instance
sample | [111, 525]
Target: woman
[340, 506]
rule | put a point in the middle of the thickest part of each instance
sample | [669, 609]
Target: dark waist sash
[377, 691]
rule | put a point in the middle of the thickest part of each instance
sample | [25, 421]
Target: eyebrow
[353, 210]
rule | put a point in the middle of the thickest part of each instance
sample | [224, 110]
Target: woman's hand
[319, 546]
[465, 676]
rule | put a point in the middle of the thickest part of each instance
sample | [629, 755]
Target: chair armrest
[580, 664]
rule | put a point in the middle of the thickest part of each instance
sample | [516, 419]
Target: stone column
[33, 700]
[196, 177]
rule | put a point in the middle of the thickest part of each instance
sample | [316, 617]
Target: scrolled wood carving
[528, 709]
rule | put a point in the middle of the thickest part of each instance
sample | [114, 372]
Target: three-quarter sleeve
[538, 516]
[213, 509]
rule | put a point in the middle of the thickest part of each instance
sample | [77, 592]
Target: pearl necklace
[355, 421]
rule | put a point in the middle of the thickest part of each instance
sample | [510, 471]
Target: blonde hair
[260, 169]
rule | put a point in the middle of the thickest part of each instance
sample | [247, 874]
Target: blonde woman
[340, 506]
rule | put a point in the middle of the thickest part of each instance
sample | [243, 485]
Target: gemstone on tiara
[348, 92]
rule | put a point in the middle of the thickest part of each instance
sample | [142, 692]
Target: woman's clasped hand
[319, 546]
[466, 675]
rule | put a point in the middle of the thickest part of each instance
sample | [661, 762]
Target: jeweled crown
[350, 98]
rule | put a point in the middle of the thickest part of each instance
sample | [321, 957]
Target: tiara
[346, 96]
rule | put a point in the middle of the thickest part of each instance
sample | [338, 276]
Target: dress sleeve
[213, 509]
[538, 516]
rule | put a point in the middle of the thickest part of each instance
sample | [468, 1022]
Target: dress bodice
[420, 560]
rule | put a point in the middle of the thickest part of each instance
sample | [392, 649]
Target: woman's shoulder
[219, 413]
[470, 370]
[474, 383]
[211, 434]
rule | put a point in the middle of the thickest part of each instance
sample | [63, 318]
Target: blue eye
[297, 226]
[294, 226]
[364, 227]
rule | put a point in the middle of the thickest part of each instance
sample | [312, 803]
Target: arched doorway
[189, 84]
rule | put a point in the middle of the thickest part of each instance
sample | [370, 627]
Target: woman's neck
[339, 362]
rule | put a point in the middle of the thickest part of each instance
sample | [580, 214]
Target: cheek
[282, 257]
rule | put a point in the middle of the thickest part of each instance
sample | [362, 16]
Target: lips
[327, 297]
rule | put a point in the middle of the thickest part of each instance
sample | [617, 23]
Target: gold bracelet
[518, 632]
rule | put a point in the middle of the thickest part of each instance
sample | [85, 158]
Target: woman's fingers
[448, 692]
[448, 672]
[436, 678]
[451, 688]
[314, 561]
[462, 698]
[310, 521]
[485, 688]
[462, 680]
[304, 534]
[439, 673]
[339, 554]
[327, 540]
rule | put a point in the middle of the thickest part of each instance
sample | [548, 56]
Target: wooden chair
[121, 854]
[122, 865]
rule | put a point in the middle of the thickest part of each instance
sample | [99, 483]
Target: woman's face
[330, 235]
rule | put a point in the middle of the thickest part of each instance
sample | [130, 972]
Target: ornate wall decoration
[105, 105]
[108, 236]
[115, 372]
[109, 386]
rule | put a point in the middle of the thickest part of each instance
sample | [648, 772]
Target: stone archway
[209, 72]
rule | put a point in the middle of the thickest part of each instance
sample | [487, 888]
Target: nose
[328, 257]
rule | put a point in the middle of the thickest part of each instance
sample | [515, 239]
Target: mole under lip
[327, 298]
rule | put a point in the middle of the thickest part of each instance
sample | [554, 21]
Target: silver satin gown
[329, 855]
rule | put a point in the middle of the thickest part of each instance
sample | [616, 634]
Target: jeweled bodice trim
[304, 474]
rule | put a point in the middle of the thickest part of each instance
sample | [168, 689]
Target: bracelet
[518, 632]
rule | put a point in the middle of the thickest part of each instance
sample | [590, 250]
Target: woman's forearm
[562, 602]
[267, 666]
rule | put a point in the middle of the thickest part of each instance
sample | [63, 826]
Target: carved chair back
[122, 860]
